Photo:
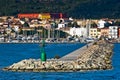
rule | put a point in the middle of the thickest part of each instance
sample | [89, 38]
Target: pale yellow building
[94, 33]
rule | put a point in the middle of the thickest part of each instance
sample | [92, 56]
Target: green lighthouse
[43, 54]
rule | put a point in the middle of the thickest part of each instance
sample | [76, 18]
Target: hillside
[74, 8]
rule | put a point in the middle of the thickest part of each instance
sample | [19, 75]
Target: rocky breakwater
[38, 66]
[95, 57]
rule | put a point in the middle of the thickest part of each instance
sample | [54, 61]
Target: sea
[12, 53]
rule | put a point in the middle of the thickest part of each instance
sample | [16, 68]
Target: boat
[88, 40]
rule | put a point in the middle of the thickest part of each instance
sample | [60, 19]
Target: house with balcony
[94, 33]
[113, 32]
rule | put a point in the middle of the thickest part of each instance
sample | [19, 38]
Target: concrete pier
[74, 55]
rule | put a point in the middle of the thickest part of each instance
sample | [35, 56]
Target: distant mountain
[73, 8]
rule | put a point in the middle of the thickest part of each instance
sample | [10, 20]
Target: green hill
[74, 8]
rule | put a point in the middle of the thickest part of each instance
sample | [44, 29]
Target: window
[91, 30]
[94, 30]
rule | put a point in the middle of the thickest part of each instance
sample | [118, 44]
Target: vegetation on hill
[74, 8]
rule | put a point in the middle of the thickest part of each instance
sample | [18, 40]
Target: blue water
[10, 53]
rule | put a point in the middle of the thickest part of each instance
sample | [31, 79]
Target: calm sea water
[11, 53]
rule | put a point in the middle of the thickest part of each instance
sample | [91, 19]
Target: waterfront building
[113, 32]
[61, 25]
[101, 24]
[118, 32]
[81, 32]
[105, 32]
[94, 33]
[98, 33]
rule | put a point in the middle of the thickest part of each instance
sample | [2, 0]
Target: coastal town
[59, 39]
[56, 27]
[96, 57]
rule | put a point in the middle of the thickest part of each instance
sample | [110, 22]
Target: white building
[78, 31]
[113, 32]
[61, 25]
[101, 24]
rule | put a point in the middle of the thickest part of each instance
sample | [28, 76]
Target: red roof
[32, 15]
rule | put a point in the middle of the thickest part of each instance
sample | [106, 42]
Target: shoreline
[56, 70]
[39, 42]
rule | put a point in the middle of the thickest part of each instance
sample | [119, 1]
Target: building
[30, 15]
[113, 32]
[118, 32]
[105, 32]
[101, 24]
[57, 15]
[81, 32]
[44, 16]
[98, 33]
[61, 25]
[93, 33]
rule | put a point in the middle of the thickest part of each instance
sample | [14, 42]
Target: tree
[69, 24]
[94, 25]
[75, 24]
[26, 24]
[117, 23]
